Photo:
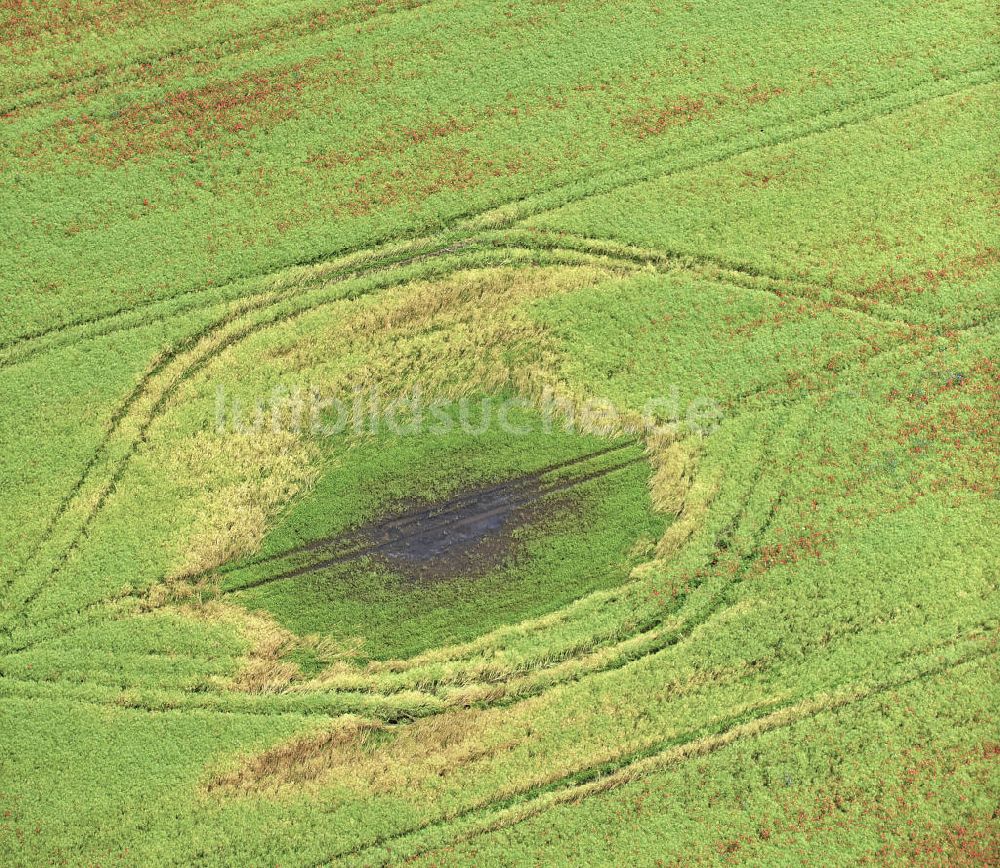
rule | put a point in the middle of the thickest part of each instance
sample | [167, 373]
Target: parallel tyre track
[645, 639]
[647, 636]
[252, 306]
[298, 25]
[204, 348]
[403, 519]
[465, 225]
[134, 397]
[357, 548]
[619, 253]
[591, 780]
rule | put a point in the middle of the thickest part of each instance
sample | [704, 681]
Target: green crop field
[500, 433]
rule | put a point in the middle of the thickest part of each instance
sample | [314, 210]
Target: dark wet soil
[472, 533]
[479, 530]
[467, 534]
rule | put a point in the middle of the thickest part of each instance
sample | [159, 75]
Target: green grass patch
[572, 541]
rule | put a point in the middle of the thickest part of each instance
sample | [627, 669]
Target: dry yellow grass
[243, 481]
[300, 761]
[425, 331]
